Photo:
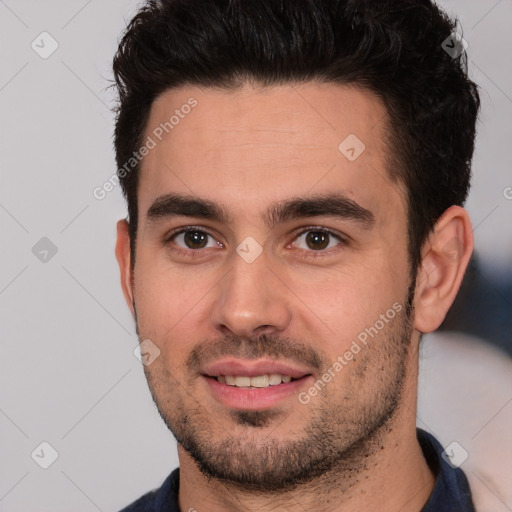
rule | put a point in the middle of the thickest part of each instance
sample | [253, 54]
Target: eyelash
[311, 254]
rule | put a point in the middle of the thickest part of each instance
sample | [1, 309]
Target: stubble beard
[335, 445]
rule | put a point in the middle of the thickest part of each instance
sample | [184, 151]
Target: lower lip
[252, 399]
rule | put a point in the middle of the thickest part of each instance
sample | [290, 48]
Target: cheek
[350, 305]
[169, 306]
[165, 291]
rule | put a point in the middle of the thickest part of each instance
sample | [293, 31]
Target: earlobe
[123, 257]
[445, 257]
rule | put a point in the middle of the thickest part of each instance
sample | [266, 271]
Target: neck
[396, 477]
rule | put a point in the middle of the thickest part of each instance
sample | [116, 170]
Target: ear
[123, 257]
[445, 257]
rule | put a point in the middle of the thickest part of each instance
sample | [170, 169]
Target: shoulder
[464, 397]
[163, 498]
[451, 491]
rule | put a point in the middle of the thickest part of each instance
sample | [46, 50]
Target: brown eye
[193, 239]
[316, 240]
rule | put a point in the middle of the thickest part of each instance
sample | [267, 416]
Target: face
[272, 273]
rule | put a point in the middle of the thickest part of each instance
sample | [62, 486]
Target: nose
[251, 301]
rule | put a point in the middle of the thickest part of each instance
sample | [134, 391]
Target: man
[295, 174]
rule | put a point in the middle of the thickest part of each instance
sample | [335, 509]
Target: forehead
[253, 146]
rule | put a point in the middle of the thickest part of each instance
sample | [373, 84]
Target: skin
[245, 150]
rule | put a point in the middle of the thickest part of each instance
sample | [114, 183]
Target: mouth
[258, 381]
[254, 385]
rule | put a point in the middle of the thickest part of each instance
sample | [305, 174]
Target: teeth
[260, 381]
[242, 382]
[275, 379]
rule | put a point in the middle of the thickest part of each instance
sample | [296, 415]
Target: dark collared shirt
[451, 491]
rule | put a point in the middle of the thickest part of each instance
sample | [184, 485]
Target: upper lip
[238, 367]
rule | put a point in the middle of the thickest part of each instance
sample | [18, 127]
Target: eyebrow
[324, 205]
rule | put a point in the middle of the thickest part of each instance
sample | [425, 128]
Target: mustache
[268, 346]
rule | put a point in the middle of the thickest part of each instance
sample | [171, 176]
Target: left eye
[317, 240]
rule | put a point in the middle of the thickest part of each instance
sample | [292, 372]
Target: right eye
[191, 239]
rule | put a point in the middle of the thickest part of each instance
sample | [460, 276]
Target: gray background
[67, 369]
